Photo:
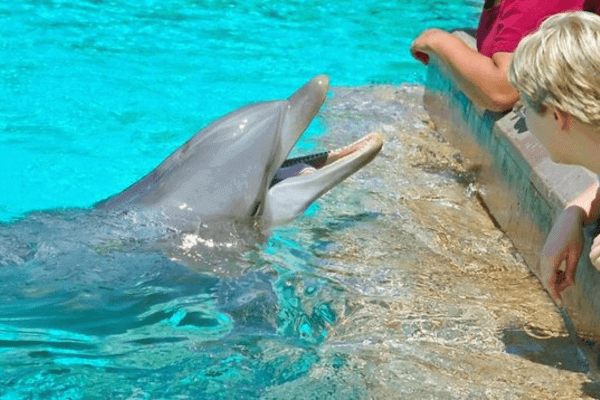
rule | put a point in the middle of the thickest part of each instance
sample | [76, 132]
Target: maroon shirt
[503, 26]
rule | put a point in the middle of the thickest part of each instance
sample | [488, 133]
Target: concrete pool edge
[522, 188]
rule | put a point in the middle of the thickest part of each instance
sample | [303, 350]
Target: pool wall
[522, 188]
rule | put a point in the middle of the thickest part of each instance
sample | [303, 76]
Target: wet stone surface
[436, 301]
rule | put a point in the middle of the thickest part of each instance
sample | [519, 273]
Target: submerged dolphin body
[228, 168]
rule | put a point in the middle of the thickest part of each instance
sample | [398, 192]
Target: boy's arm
[565, 240]
[589, 203]
[483, 79]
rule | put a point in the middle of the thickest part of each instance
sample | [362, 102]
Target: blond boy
[556, 71]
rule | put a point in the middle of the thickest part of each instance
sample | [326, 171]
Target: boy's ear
[564, 118]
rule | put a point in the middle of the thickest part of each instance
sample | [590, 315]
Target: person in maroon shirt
[481, 73]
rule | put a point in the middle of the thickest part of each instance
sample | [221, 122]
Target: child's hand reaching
[564, 244]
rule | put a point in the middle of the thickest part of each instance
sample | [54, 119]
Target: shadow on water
[556, 351]
[591, 349]
[339, 223]
[564, 351]
[346, 221]
[592, 389]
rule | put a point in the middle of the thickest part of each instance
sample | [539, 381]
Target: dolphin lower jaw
[319, 173]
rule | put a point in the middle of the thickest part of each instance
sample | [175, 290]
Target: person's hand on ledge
[483, 79]
[423, 44]
[563, 244]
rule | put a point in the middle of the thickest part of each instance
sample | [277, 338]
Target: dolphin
[237, 167]
[136, 264]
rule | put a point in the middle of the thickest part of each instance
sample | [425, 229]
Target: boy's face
[546, 128]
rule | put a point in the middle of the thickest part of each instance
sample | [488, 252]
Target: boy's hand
[564, 244]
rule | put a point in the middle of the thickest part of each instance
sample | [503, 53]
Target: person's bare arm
[589, 203]
[483, 79]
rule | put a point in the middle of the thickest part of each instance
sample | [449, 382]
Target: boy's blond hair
[559, 65]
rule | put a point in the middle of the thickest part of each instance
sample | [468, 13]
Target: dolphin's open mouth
[298, 182]
[368, 146]
[302, 180]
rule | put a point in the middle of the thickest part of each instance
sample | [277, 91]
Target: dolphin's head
[236, 166]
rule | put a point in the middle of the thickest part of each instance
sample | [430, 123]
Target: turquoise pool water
[96, 93]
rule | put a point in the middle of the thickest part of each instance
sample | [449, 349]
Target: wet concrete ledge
[522, 188]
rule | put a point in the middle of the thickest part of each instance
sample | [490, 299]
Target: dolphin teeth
[310, 159]
[319, 160]
[311, 163]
